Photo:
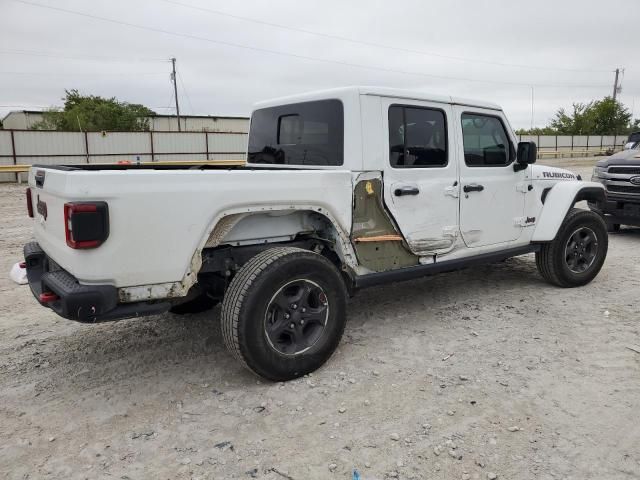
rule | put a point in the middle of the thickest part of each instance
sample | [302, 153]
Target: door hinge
[522, 187]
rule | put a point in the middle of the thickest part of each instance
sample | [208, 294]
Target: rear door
[492, 197]
[421, 173]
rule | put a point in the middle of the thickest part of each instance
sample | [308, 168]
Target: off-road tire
[247, 299]
[551, 259]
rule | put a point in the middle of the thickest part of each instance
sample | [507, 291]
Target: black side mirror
[527, 154]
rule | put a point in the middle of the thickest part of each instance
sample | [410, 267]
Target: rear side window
[417, 137]
[486, 143]
[309, 133]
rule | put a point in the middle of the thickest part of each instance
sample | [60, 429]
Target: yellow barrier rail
[14, 168]
[571, 153]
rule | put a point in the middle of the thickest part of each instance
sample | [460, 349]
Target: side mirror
[527, 154]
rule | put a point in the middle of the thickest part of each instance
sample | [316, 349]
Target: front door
[492, 195]
[421, 174]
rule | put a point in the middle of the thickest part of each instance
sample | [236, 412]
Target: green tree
[536, 131]
[577, 122]
[93, 114]
[598, 117]
[610, 117]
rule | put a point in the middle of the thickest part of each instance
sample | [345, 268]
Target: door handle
[399, 192]
[472, 188]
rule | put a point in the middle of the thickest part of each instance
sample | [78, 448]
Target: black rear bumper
[75, 301]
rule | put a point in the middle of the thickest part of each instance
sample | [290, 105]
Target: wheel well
[595, 194]
[220, 264]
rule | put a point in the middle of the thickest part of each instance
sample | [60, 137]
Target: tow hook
[48, 297]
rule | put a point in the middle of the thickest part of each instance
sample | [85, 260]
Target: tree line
[91, 113]
[598, 117]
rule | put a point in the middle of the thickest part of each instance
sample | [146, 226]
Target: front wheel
[578, 252]
[284, 313]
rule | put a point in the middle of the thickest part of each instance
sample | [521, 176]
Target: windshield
[309, 133]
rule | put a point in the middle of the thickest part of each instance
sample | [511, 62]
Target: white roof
[378, 91]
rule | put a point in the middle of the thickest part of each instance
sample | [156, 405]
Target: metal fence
[576, 144]
[49, 147]
[26, 147]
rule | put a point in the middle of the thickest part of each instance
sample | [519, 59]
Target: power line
[84, 74]
[79, 57]
[184, 89]
[293, 55]
[380, 45]
[25, 106]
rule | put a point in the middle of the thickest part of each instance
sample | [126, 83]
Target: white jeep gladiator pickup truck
[343, 189]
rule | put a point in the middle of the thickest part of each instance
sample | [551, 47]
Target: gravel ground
[469, 375]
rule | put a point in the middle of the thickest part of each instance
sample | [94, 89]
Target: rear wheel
[284, 313]
[577, 253]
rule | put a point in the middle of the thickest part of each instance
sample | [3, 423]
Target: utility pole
[531, 107]
[615, 85]
[175, 91]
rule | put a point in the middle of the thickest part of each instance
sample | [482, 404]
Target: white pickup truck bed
[159, 218]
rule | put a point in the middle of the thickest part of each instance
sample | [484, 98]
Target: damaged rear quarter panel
[378, 242]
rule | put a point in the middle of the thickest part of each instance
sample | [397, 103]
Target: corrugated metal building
[21, 119]
[199, 123]
[24, 120]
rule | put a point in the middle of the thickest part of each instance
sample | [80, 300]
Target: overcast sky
[231, 54]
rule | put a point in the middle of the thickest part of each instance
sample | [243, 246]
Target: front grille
[625, 170]
[624, 189]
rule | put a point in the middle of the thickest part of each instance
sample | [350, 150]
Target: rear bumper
[74, 301]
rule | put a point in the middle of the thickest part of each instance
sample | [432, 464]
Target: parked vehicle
[620, 175]
[343, 189]
[633, 141]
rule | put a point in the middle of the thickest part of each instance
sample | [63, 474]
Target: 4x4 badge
[635, 180]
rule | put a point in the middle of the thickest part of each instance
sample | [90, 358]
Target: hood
[626, 157]
[542, 172]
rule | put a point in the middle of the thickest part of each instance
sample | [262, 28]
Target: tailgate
[47, 189]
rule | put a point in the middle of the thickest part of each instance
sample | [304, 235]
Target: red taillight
[29, 203]
[86, 225]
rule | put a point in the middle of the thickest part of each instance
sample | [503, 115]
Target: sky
[529, 57]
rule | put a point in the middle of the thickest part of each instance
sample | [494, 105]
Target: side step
[410, 273]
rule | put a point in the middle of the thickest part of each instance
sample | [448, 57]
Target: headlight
[599, 172]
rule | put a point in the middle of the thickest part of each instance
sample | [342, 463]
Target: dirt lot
[465, 375]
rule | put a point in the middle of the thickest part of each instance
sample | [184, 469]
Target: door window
[486, 143]
[417, 137]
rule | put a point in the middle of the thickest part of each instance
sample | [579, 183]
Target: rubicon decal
[567, 175]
